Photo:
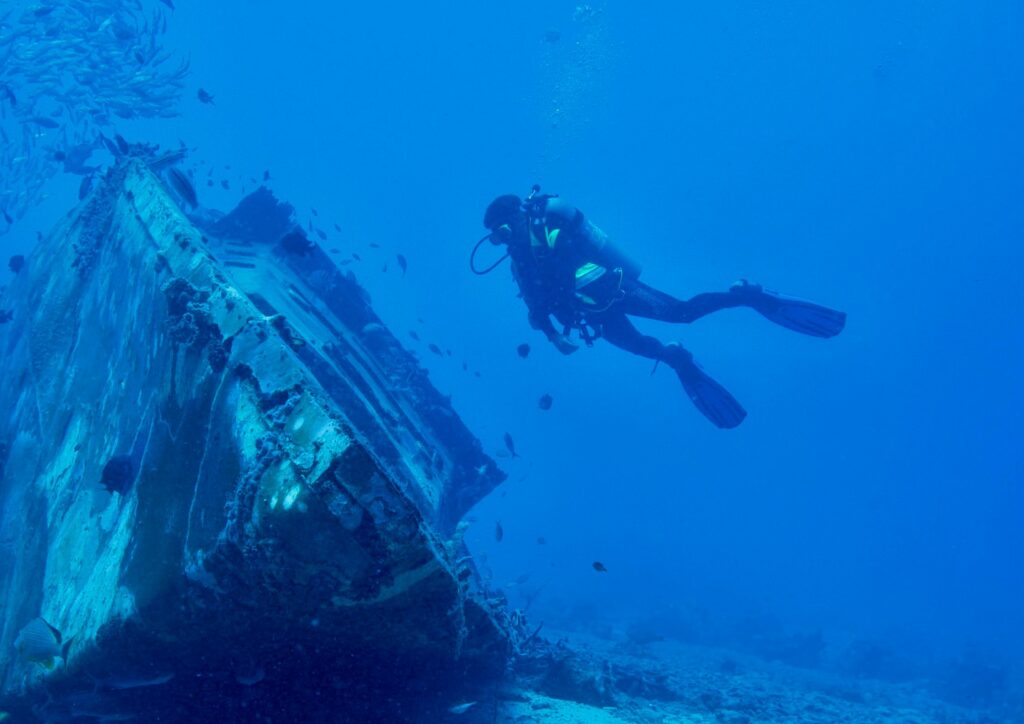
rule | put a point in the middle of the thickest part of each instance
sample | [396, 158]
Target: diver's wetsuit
[562, 240]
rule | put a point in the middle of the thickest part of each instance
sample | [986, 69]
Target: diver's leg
[799, 315]
[641, 300]
[713, 400]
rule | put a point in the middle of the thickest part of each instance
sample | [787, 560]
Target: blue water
[864, 155]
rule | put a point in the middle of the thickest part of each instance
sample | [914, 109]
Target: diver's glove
[563, 344]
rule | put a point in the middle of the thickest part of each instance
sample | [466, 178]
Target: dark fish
[181, 183]
[205, 97]
[545, 401]
[266, 175]
[435, 349]
[6, 315]
[552, 36]
[118, 474]
[315, 212]
[510, 444]
[43, 10]
[335, 250]
[412, 333]
[374, 246]
[541, 540]
[209, 182]
[226, 185]
[384, 268]
[9, 94]
[16, 263]
[337, 228]
[168, 3]
[599, 567]
[321, 234]
[44, 122]
[523, 350]
[356, 256]
[85, 187]
[296, 242]
[402, 263]
[499, 532]
[465, 367]
[7, 217]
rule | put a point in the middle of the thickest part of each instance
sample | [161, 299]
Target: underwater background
[867, 516]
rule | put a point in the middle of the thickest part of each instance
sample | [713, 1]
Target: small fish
[205, 97]
[435, 349]
[337, 228]
[40, 643]
[374, 245]
[84, 187]
[16, 263]
[552, 36]
[465, 367]
[321, 234]
[225, 184]
[541, 540]
[315, 212]
[462, 708]
[6, 315]
[266, 175]
[499, 532]
[545, 401]
[9, 94]
[43, 10]
[414, 335]
[356, 256]
[510, 445]
[124, 683]
[44, 122]
[335, 250]
[599, 567]
[168, 3]
[384, 268]
[402, 263]
[523, 350]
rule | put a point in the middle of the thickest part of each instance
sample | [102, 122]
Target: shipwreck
[224, 481]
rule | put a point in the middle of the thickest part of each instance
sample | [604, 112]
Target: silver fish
[40, 643]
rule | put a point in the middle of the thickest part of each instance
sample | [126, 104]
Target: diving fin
[792, 313]
[710, 398]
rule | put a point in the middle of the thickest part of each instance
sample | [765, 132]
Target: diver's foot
[710, 398]
[799, 315]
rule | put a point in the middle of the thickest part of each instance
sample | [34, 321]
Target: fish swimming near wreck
[40, 643]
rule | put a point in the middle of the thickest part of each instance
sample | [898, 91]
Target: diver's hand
[563, 344]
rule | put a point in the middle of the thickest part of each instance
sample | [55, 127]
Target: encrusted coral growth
[189, 320]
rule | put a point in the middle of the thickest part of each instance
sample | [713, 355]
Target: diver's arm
[542, 323]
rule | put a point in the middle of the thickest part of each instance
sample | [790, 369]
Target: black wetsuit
[545, 270]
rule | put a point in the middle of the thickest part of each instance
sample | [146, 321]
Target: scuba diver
[567, 268]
